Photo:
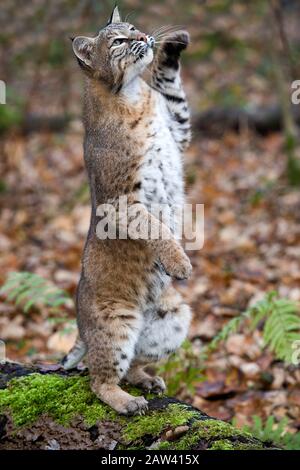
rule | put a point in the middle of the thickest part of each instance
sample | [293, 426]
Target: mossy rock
[54, 409]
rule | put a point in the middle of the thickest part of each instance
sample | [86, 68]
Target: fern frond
[27, 290]
[281, 329]
[270, 431]
[261, 309]
[231, 327]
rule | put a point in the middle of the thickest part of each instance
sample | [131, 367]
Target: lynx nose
[141, 37]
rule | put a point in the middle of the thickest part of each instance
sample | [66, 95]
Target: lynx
[128, 312]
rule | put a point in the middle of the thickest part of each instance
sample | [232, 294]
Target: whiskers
[172, 41]
[163, 32]
[129, 15]
[166, 29]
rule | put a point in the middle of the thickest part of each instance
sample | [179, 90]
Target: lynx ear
[82, 47]
[115, 16]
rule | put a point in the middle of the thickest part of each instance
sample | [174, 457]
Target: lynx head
[117, 55]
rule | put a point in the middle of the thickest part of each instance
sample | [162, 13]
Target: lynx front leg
[166, 79]
[110, 350]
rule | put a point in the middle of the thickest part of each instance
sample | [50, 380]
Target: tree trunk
[263, 120]
[45, 407]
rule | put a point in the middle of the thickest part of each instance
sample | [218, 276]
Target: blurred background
[243, 164]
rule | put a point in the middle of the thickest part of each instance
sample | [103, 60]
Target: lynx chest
[161, 170]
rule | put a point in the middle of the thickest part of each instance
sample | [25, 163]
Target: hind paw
[153, 384]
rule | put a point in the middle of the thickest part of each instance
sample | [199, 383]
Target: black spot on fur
[168, 351]
[180, 119]
[175, 99]
[137, 186]
[169, 80]
[136, 121]
[161, 313]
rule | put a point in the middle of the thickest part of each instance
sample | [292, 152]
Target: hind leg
[111, 339]
[165, 328]
[136, 375]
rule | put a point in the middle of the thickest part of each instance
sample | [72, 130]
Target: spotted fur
[127, 310]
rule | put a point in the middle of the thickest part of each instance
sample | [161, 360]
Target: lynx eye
[119, 41]
[132, 28]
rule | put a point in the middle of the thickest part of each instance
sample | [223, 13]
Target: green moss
[226, 444]
[155, 422]
[250, 446]
[222, 444]
[62, 398]
[207, 430]
[137, 392]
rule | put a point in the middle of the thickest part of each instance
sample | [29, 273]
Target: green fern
[281, 330]
[29, 290]
[270, 431]
[281, 325]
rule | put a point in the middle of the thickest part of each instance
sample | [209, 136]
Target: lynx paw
[176, 42]
[135, 406]
[178, 266]
[153, 384]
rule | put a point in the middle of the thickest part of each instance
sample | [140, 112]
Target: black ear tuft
[71, 38]
[115, 16]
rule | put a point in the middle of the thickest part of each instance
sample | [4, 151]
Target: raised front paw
[176, 263]
[176, 42]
